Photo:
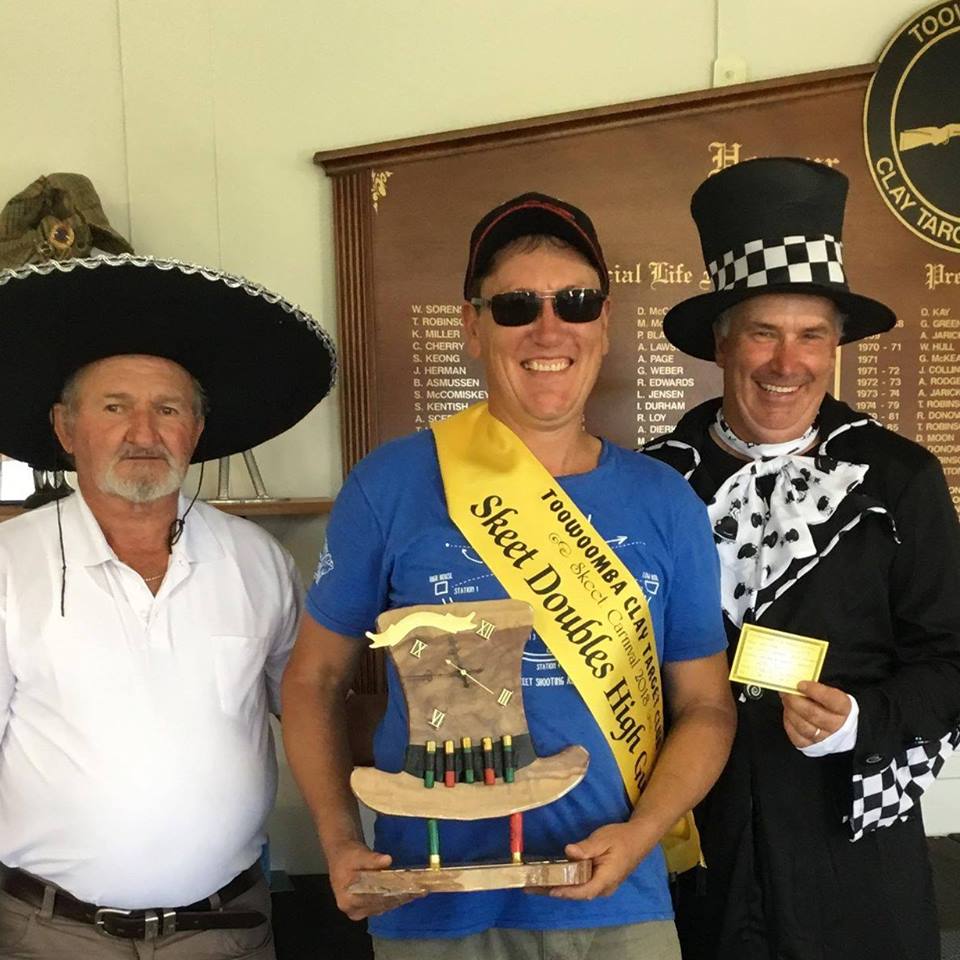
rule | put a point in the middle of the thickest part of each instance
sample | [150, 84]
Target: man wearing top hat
[142, 636]
[829, 526]
[535, 314]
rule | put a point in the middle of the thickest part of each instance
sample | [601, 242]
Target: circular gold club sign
[911, 125]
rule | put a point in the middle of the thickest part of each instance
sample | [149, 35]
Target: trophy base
[463, 878]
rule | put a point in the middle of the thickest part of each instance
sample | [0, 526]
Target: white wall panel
[61, 104]
[171, 128]
[799, 36]
[941, 803]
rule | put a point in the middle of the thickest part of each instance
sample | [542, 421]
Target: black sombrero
[263, 363]
[771, 225]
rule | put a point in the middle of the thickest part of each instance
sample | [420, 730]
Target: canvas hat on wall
[57, 217]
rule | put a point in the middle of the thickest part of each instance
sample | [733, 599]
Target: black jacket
[784, 878]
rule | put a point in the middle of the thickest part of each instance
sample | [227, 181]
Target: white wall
[197, 119]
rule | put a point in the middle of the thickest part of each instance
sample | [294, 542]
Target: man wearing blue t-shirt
[536, 315]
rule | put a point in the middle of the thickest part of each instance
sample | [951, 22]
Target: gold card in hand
[776, 660]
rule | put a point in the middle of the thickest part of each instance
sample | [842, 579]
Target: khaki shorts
[655, 940]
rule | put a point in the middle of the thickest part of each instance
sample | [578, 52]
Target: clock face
[459, 666]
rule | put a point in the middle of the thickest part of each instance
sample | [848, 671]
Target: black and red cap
[532, 214]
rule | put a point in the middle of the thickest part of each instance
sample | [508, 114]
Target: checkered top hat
[529, 214]
[771, 225]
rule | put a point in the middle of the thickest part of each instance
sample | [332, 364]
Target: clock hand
[463, 673]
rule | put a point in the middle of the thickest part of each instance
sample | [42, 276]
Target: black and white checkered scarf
[758, 536]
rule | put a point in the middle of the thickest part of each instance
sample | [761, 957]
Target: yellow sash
[587, 607]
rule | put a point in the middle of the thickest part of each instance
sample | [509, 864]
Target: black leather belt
[141, 924]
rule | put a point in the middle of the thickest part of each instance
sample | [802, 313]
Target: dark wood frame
[351, 169]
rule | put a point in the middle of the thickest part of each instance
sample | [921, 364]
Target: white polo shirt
[137, 766]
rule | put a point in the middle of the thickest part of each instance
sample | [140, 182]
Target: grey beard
[143, 490]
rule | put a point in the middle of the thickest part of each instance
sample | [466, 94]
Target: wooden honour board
[404, 211]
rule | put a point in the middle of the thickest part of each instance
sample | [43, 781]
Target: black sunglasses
[517, 308]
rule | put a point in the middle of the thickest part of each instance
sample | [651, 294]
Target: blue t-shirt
[391, 543]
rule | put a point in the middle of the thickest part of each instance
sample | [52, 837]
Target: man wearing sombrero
[605, 548]
[142, 635]
[827, 526]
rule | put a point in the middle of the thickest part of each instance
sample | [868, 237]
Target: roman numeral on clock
[417, 649]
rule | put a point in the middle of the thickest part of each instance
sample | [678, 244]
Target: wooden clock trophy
[469, 756]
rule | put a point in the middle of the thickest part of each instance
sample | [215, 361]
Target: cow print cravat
[758, 538]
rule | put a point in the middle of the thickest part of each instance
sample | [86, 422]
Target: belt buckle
[100, 922]
[155, 923]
